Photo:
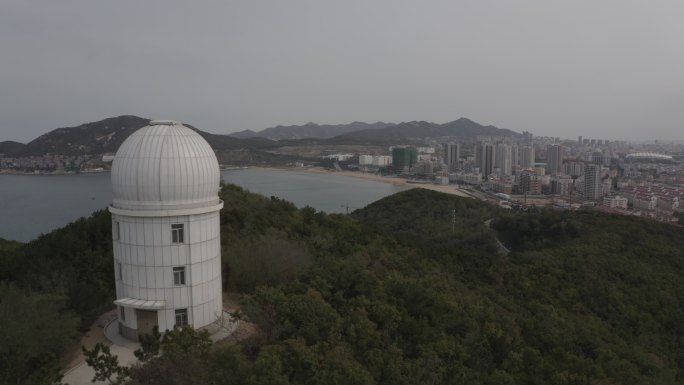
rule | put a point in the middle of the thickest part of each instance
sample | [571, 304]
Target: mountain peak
[462, 127]
[308, 130]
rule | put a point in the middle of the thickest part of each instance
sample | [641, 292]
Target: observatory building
[165, 230]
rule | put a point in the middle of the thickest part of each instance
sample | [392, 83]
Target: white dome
[165, 166]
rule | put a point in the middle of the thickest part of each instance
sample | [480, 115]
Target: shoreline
[448, 189]
[59, 173]
[393, 180]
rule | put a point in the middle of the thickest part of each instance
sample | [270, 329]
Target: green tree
[34, 331]
[150, 345]
[271, 259]
[184, 360]
[105, 364]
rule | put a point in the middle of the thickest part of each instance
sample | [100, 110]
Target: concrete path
[120, 347]
[223, 328]
[83, 374]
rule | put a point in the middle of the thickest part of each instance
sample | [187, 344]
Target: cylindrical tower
[166, 230]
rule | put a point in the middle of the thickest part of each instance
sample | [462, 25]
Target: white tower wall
[169, 179]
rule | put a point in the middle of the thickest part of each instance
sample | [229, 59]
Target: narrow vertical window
[119, 270]
[116, 231]
[177, 233]
[181, 317]
[122, 313]
[179, 275]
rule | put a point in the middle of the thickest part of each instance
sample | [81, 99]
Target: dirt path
[245, 330]
[89, 339]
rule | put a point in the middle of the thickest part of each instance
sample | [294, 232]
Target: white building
[365, 160]
[485, 157]
[574, 169]
[645, 202]
[554, 158]
[526, 157]
[338, 157]
[515, 158]
[561, 184]
[382, 161]
[452, 154]
[615, 202]
[503, 158]
[375, 160]
[468, 178]
[165, 230]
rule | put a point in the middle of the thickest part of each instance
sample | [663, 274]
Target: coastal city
[515, 172]
[619, 177]
[351, 192]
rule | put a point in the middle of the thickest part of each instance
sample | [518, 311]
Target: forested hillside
[400, 293]
[52, 289]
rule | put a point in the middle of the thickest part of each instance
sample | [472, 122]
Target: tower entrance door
[147, 319]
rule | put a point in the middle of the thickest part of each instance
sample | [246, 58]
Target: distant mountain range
[10, 147]
[463, 127]
[105, 136]
[309, 130]
[89, 138]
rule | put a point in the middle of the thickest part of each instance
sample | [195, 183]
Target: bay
[323, 191]
[31, 205]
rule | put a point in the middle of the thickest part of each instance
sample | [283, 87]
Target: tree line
[398, 293]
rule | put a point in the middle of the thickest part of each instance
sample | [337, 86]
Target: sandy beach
[384, 179]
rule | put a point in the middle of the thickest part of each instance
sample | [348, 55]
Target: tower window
[177, 233]
[181, 317]
[119, 270]
[179, 275]
[122, 313]
[116, 231]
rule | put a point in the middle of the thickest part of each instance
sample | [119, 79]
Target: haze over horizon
[610, 69]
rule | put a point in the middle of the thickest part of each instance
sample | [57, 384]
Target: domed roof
[649, 155]
[165, 166]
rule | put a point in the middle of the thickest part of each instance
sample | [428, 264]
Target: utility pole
[453, 221]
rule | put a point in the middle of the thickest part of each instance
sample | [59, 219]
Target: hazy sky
[597, 68]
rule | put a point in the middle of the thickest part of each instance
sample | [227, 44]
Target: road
[503, 250]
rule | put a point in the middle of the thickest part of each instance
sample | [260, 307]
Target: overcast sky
[597, 68]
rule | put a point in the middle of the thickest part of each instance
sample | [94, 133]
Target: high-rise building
[526, 157]
[515, 158]
[592, 182]
[484, 158]
[403, 158]
[561, 184]
[530, 182]
[527, 136]
[574, 169]
[382, 160]
[554, 158]
[166, 230]
[503, 159]
[452, 153]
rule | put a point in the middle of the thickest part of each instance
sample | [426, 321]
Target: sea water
[31, 205]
